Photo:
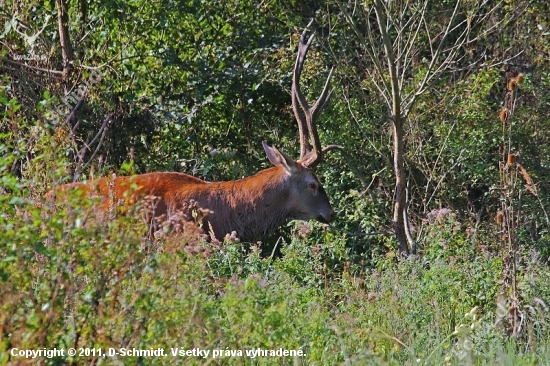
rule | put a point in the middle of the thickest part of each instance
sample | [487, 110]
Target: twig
[55, 72]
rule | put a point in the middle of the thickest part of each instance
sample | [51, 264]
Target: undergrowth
[70, 281]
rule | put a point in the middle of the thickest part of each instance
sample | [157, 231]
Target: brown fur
[252, 207]
[126, 191]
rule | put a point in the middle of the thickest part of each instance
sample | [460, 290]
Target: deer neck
[262, 203]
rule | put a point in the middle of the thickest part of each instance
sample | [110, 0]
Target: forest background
[441, 246]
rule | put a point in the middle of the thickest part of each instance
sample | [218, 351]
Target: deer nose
[325, 219]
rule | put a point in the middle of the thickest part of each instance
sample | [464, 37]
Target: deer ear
[279, 158]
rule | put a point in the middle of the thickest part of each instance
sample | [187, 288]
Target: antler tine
[306, 115]
[324, 98]
[317, 108]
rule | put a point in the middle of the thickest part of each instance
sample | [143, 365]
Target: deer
[251, 207]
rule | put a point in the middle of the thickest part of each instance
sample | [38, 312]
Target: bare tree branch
[389, 34]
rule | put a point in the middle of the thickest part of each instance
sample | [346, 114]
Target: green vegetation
[195, 86]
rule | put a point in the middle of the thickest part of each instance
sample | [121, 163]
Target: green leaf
[7, 28]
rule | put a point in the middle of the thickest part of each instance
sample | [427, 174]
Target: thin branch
[369, 48]
[458, 161]
[71, 117]
[104, 129]
[49, 71]
[435, 56]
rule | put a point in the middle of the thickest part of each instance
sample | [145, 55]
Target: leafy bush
[69, 280]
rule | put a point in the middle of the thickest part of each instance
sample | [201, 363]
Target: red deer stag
[252, 206]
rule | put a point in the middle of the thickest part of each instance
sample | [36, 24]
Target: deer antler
[306, 116]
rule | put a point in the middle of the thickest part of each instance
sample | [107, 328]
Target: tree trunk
[398, 132]
[400, 186]
[65, 40]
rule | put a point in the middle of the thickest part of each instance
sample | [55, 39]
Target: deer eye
[312, 185]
